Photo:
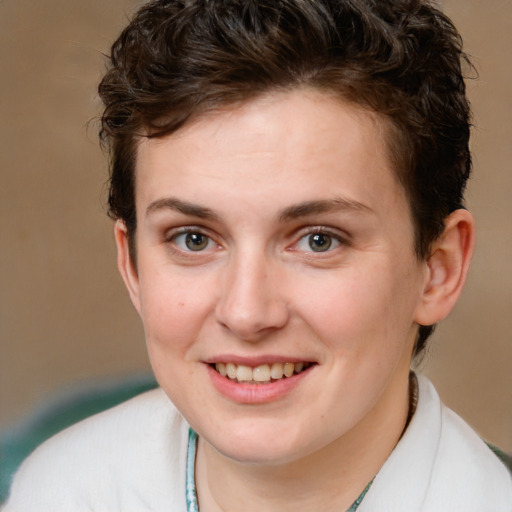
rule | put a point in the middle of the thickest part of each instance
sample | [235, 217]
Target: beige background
[65, 318]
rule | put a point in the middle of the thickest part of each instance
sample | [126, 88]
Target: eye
[318, 242]
[192, 241]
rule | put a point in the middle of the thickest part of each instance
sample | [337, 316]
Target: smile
[261, 374]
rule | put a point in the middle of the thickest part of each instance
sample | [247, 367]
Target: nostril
[254, 318]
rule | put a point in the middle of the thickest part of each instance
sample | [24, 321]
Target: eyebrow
[172, 203]
[322, 206]
[293, 212]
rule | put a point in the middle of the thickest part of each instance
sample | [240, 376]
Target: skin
[254, 183]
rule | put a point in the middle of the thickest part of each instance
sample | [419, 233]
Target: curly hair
[178, 59]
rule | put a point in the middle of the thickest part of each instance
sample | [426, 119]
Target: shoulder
[466, 468]
[440, 464]
[134, 451]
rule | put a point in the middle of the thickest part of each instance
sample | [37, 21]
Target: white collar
[439, 465]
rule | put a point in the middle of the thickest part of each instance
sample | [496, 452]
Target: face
[275, 245]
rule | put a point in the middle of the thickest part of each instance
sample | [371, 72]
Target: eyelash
[171, 238]
[304, 236]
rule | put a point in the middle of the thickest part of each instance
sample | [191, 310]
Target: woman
[287, 188]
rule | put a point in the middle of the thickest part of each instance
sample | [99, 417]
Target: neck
[329, 479]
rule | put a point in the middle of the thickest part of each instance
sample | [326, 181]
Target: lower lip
[245, 393]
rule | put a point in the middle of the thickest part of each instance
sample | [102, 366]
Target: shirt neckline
[190, 487]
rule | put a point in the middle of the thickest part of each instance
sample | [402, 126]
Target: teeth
[231, 370]
[221, 368]
[276, 372]
[244, 373]
[262, 373]
[288, 369]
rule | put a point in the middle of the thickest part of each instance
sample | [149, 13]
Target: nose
[251, 304]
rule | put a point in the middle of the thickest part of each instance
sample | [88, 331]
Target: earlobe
[125, 264]
[447, 268]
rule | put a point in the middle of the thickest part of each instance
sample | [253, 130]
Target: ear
[125, 264]
[447, 268]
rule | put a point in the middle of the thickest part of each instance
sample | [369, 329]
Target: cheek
[173, 308]
[372, 306]
[173, 312]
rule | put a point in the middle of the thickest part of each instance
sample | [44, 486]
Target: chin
[259, 444]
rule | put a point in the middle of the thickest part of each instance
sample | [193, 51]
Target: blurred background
[65, 319]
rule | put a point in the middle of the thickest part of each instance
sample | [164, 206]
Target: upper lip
[254, 361]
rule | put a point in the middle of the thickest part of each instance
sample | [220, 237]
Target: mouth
[261, 374]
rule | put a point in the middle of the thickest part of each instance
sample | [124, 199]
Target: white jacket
[132, 458]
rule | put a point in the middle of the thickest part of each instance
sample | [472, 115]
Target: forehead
[294, 145]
